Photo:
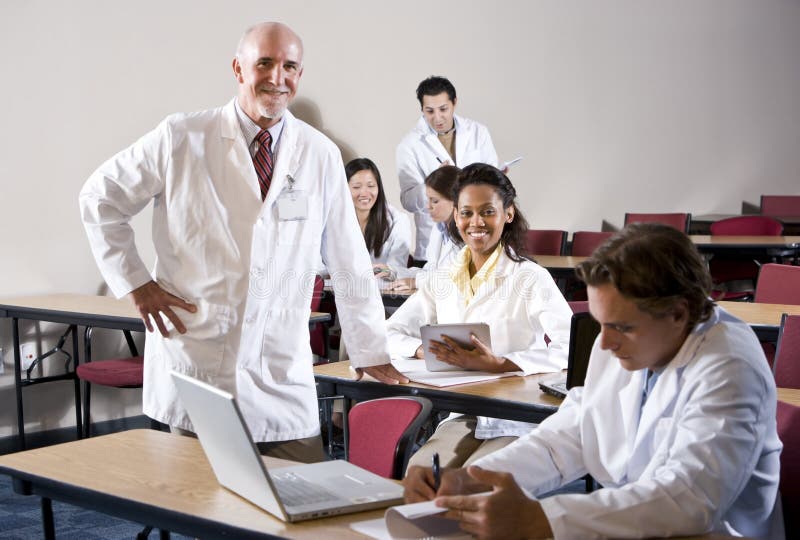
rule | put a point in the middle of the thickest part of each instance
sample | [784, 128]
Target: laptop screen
[583, 332]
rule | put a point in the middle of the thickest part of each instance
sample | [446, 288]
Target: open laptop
[582, 334]
[294, 493]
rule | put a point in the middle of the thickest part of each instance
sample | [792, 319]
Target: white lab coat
[704, 456]
[521, 304]
[417, 157]
[440, 254]
[249, 273]
[398, 244]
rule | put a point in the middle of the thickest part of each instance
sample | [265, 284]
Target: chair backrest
[780, 205]
[679, 221]
[585, 242]
[747, 226]
[317, 332]
[546, 242]
[778, 284]
[788, 417]
[787, 356]
[579, 306]
[382, 433]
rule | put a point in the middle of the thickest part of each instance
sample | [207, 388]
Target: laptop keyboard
[557, 389]
[296, 491]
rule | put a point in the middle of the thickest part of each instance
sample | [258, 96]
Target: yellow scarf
[459, 272]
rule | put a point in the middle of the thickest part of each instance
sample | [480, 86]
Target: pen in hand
[437, 472]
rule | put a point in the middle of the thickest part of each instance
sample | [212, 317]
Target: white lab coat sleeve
[398, 245]
[548, 456]
[344, 254]
[119, 189]
[487, 148]
[719, 438]
[545, 307]
[402, 328]
[411, 178]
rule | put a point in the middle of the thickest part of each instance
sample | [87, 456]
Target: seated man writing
[676, 419]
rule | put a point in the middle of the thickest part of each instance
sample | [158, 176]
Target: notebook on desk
[293, 493]
[582, 334]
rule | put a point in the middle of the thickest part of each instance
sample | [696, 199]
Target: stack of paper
[414, 369]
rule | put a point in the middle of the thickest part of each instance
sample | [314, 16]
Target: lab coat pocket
[286, 349]
[201, 350]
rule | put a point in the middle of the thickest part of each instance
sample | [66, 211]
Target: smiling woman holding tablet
[492, 282]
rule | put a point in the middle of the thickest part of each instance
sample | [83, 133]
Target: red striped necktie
[263, 161]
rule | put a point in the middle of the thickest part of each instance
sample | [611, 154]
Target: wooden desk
[765, 319]
[749, 246]
[512, 398]
[701, 224]
[75, 310]
[790, 396]
[160, 479]
[559, 266]
[163, 480]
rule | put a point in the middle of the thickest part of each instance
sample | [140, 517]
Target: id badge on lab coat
[292, 205]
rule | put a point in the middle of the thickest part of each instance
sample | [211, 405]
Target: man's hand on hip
[151, 301]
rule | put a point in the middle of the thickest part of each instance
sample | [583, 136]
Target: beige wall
[684, 105]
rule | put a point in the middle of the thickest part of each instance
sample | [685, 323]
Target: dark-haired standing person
[439, 137]
[676, 419]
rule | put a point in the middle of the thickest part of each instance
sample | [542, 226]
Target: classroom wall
[616, 105]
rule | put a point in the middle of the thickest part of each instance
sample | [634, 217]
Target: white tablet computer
[458, 332]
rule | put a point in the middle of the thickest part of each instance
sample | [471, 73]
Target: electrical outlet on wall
[28, 353]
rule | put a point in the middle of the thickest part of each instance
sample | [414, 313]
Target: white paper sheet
[412, 522]
[414, 369]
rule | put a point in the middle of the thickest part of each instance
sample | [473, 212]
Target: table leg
[345, 427]
[18, 383]
[47, 519]
[76, 381]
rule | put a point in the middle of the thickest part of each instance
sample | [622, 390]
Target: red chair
[117, 373]
[778, 284]
[727, 270]
[788, 417]
[585, 242]
[318, 331]
[747, 226]
[780, 205]
[579, 306]
[583, 245]
[677, 221]
[787, 357]
[546, 242]
[381, 433]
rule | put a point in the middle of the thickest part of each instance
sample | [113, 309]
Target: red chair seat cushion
[121, 373]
